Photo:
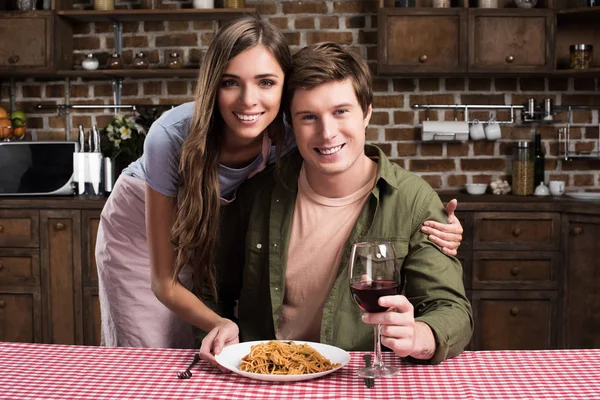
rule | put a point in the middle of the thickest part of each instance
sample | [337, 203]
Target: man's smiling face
[329, 125]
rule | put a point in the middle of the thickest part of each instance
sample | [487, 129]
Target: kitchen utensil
[476, 130]
[187, 374]
[492, 130]
[81, 139]
[557, 188]
[95, 139]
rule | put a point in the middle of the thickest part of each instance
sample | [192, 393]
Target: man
[307, 215]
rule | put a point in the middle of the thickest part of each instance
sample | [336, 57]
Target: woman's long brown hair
[195, 229]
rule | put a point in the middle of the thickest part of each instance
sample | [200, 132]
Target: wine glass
[374, 272]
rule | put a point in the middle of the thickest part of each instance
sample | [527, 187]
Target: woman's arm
[448, 236]
[160, 216]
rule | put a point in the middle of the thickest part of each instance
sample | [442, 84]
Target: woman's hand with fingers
[224, 334]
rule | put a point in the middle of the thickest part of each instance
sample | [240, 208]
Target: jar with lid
[522, 169]
[581, 55]
[233, 3]
[174, 61]
[115, 62]
[104, 5]
[150, 4]
[90, 62]
[140, 61]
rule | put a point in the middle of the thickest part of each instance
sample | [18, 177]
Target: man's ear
[368, 116]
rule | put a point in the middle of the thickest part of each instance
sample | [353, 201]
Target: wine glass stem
[378, 361]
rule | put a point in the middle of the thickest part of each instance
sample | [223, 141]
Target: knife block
[87, 173]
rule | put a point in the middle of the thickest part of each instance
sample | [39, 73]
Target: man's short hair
[326, 62]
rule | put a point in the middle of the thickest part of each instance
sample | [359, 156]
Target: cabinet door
[514, 320]
[421, 41]
[510, 41]
[91, 317]
[61, 276]
[90, 222]
[20, 317]
[581, 308]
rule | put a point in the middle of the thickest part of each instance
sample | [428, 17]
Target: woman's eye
[308, 117]
[267, 82]
[228, 82]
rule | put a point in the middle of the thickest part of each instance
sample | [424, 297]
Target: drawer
[515, 270]
[19, 228]
[19, 267]
[20, 317]
[516, 231]
[515, 320]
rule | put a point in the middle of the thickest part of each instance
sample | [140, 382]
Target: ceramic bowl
[476, 188]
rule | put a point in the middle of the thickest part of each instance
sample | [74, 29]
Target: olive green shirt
[395, 210]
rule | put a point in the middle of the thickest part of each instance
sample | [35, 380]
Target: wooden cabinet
[508, 40]
[514, 267]
[581, 278]
[426, 39]
[91, 304]
[20, 316]
[40, 43]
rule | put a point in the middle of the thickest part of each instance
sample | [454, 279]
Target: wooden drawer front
[515, 270]
[19, 228]
[20, 317]
[19, 267]
[516, 231]
[428, 41]
[516, 321]
[504, 41]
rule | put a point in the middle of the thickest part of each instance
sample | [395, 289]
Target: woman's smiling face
[250, 93]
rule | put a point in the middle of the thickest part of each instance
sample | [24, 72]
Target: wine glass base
[378, 372]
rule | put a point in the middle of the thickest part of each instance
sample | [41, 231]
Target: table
[44, 371]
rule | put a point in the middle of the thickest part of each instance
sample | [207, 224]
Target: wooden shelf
[129, 73]
[583, 73]
[579, 14]
[153, 15]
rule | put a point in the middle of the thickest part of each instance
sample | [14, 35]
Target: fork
[187, 374]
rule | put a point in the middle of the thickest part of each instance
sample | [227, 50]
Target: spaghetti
[285, 358]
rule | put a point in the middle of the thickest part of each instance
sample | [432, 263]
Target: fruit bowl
[9, 132]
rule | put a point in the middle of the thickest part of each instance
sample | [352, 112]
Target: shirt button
[276, 288]
[259, 246]
[274, 244]
[277, 200]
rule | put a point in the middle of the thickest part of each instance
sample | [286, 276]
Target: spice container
[581, 55]
[522, 169]
[150, 4]
[104, 5]
[140, 61]
[90, 62]
[115, 62]
[174, 61]
[233, 3]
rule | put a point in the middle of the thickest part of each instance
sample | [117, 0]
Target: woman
[163, 212]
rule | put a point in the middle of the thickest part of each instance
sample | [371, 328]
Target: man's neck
[345, 183]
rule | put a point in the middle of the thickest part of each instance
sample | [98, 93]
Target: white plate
[231, 356]
[584, 195]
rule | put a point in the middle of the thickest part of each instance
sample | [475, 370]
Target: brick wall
[394, 126]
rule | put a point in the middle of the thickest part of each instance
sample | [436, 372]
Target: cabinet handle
[423, 59]
[59, 226]
[14, 59]
[514, 311]
[516, 231]
[577, 230]
[1, 228]
[515, 271]
[2, 303]
[510, 59]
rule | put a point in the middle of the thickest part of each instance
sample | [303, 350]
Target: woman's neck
[239, 152]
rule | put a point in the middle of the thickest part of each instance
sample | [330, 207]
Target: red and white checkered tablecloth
[42, 371]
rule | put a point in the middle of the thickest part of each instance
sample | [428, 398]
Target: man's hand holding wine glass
[399, 330]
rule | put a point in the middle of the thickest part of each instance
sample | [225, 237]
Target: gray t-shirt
[159, 165]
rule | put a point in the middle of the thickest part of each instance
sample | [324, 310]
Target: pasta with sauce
[285, 358]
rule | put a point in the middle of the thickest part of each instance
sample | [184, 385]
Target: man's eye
[341, 112]
[228, 82]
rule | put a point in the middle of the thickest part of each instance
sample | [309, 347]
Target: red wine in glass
[367, 293]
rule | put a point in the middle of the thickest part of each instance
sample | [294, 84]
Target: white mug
[557, 188]
[476, 130]
[492, 130]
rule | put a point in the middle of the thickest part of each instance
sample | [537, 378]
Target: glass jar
[115, 62]
[150, 4]
[174, 61]
[522, 169]
[26, 5]
[140, 61]
[581, 55]
[90, 62]
[233, 3]
[104, 5]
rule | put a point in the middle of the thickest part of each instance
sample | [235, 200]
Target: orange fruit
[18, 132]
[5, 128]
[3, 113]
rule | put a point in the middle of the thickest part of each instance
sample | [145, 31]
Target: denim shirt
[396, 208]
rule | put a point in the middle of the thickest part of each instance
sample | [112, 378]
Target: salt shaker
[90, 62]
